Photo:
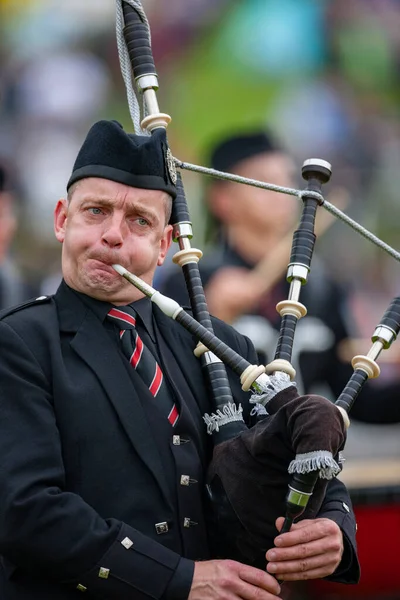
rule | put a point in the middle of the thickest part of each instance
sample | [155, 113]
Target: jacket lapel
[92, 343]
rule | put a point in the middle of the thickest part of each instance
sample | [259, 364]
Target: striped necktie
[142, 360]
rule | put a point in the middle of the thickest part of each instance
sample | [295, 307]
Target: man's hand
[230, 580]
[312, 549]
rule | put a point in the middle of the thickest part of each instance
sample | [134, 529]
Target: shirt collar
[143, 308]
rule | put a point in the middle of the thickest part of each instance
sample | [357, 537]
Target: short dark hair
[232, 150]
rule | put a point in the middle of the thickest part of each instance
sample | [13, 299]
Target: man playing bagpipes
[102, 437]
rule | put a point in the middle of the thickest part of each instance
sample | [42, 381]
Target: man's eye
[95, 210]
[143, 222]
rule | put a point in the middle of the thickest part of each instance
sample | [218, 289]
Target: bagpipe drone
[287, 458]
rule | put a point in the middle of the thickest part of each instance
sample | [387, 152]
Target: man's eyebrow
[135, 207]
[96, 200]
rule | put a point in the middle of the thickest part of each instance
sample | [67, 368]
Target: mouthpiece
[120, 270]
[167, 305]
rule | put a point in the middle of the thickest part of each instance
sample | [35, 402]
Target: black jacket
[85, 501]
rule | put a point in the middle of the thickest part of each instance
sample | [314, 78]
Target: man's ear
[60, 219]
[165, 244]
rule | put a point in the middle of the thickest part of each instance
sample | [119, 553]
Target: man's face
[258, 209]
[106, 223]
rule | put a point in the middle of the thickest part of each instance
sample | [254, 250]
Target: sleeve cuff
[137, 566]
[348, 570]
[181, 582]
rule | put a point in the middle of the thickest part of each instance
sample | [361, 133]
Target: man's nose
[113, 235]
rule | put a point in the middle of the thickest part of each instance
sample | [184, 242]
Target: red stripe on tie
[120, 314]
[173, 416]
[137, 353]
[157, 381]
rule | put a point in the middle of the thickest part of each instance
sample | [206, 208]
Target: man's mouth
[101, 264]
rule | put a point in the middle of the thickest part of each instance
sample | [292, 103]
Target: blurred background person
[13, 289]
[251, 224]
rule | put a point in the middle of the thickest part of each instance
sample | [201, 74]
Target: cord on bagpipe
[250, 470]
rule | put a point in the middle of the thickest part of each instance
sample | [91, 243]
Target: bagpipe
[285, 460]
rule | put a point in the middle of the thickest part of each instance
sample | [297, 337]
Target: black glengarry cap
[137, 160]
[232, 150]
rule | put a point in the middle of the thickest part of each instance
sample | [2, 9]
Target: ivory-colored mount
[368, 365]
[156, 120]
[249, 375]
[291, 307]
[280, 364]
[345, 416]
[200, 350]
[186, 256]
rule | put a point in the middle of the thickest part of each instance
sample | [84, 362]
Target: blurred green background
[322, 74]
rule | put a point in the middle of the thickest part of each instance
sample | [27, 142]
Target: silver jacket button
[127, 543]
[187, 522]
[104, 572]
[177, 440]
[161, 527]
[187, 480]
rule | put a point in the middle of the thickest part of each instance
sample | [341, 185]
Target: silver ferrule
[384, 334]
[294, 290]
[183, 229]
[261, 383]
[210, 358]
[184, 243]
[375, 349]
[145, 82]
[298, 271]
[151, 101]
[297, 498]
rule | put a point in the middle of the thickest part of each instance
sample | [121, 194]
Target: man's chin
[104, 282]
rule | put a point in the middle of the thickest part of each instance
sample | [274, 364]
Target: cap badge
[171, 166]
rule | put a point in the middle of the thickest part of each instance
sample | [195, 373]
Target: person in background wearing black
[250, 223]
[12, 287]
[103, 467]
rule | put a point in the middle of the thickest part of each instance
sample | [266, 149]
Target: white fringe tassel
[311, 461]
[258, 410]
[228, 414]
[277, 382]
